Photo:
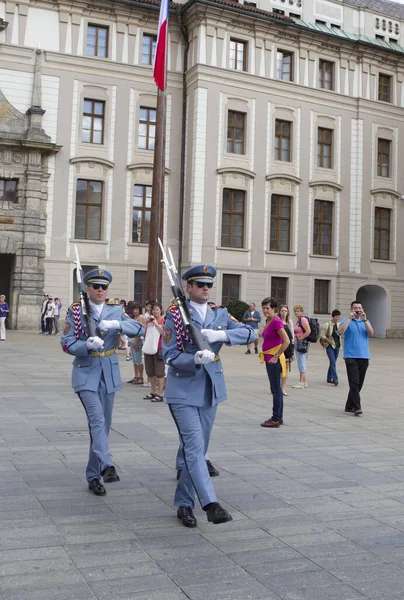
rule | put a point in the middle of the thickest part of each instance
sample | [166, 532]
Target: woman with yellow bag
[275, 342]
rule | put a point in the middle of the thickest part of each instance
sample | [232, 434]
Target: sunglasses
[202, 284]
[97, 286]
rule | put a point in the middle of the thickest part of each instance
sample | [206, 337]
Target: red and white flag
[160, 59]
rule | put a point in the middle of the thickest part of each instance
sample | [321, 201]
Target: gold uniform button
[221, 370]
[219, 327]
[177, 374]
[78, 366]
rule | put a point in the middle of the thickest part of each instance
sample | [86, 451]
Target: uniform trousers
[194, 424]
[179, 461]
[98, 406]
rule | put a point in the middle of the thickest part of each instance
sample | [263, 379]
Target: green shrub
[237, 308]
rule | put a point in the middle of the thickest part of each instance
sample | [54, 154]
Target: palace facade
[284, 138]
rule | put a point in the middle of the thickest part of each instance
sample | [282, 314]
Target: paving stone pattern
[318, 504]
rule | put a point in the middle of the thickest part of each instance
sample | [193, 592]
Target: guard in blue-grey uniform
[96, 376]
[195, 386]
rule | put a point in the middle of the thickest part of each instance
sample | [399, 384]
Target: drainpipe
[184, 31]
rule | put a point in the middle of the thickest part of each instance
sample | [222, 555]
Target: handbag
[301, 346]
[151, 342]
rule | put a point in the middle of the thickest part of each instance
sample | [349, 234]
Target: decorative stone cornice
[239, 170]
[145, 166]
[283, 176]
[322, 183]
[394, 193]
[92, 159]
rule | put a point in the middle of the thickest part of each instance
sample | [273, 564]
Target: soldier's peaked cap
[203, 273]
[99, 276]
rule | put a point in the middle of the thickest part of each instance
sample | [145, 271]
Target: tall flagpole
[154, 266]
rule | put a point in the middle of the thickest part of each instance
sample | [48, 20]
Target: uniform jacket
[186, 381]
[87, 369]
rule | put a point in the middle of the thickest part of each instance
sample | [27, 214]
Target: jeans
[301, 361]
[356, 370]
[274, 375]
[56, 317]
[332, 354]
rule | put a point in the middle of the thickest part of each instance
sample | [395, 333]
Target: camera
[358, 312]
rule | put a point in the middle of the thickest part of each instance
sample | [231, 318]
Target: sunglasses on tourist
[97, 286]
[202, 284]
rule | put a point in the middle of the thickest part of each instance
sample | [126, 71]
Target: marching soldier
[96, 376]
[195, 386]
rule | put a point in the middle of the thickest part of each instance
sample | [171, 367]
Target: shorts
[154, 366]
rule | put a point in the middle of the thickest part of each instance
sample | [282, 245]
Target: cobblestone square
[318, 504]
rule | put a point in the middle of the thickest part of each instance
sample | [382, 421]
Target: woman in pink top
[302, 331]
[275, 341]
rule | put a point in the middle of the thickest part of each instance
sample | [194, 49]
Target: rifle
[85, 304]
[179, 296]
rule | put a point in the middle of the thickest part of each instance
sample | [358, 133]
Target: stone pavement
[318, 504]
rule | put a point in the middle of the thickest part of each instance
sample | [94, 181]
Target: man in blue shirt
[252, 317]
[356, 330]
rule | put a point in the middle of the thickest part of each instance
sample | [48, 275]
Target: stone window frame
[90, 23]
[144, 209]
[104, 181]
[285, 52]
[152, 52]
[93, 115]
[244, 44]
[318, 295]
[321, 223]
[96, 93]
[144, 100]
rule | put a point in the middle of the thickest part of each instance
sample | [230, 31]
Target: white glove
[211, 336]
[204, 357]
[108, 325]
[94, 343]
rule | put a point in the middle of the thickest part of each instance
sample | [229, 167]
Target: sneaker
[299, 386]
[128, 358]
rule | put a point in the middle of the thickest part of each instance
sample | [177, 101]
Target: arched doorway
[374, 300]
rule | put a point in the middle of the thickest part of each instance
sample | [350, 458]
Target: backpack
[290, 350]
[315, 329]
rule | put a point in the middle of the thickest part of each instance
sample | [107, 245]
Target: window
[88, 209]
[279, 289]
[277, 11]
[294, 16]
[382, 233]
[93, 122]
[379, 37]
[334, 26]
[97, 41]
[326, 75]
[324, 148]
[142, 198]
[8, 190]
[139, 294]
[284, 65]
[319, 22]
[149, 43]
[230, 288]
[233, 218]
[385, 87]
[147, 128]
[321, 296]
[238, 55]
[235, 132]
[283, 134]
[281, 208]
[322, 232]
[383, 157]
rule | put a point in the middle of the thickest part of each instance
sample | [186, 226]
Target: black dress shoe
[350, 410]
[213, 472]
[97, 488]
[217, 514]
[187, 516]
[109, 475]
[335, 382]
[358, 411]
